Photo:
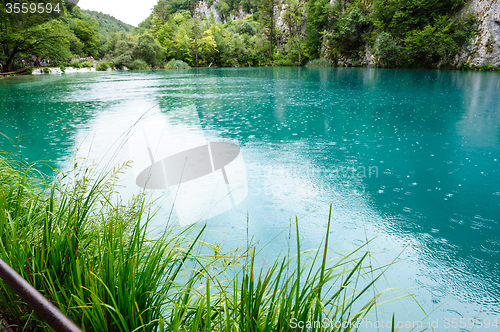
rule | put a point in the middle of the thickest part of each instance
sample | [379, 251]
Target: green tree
[57, 49]
[245, 27]
[317, 23]
[161, 11]
[149, 50]
[421, 32]
[50, 39]
[86, 31]
[387, 50]
[145, 25]
[208, 46]
[425, 47]
[196, 29]
[223, 7]
[182, 46]
[400, 16]
[156, 25]
[294, 18]
[347, 35]
[165, 37]
[23, 34]
[124, 54]
[266, 14]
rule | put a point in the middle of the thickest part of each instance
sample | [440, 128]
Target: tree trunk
[195, 45]
[300, 60]
[195, 52]
[8, 65]
[272, 33]
[10, 59]
[195, 30]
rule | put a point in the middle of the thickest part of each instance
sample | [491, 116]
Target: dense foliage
[420, 33]
[59, 38]
[140, 53]
[399, 33]
[108, 24]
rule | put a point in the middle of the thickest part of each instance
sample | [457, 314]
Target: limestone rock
[485, 47]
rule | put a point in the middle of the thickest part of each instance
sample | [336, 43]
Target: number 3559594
[31, 8]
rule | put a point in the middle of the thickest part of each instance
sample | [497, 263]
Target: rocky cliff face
[204, 10]
[485, 47]
[207, 11]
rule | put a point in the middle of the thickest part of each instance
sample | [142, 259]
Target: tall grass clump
[90, 256]
[319, 63]
[95, 259]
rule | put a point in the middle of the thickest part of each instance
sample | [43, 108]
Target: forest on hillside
[107, 23]
[399, 33]
[395, 33]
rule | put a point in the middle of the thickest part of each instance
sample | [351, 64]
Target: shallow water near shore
[408, 158]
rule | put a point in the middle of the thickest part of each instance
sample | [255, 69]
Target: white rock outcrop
[485, 47]
[205, 11]
[68, 70]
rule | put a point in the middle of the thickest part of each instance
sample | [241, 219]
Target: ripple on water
[457, 241]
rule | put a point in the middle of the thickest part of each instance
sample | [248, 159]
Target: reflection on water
[409, 157]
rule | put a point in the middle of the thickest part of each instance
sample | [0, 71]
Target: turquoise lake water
[408, 158]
